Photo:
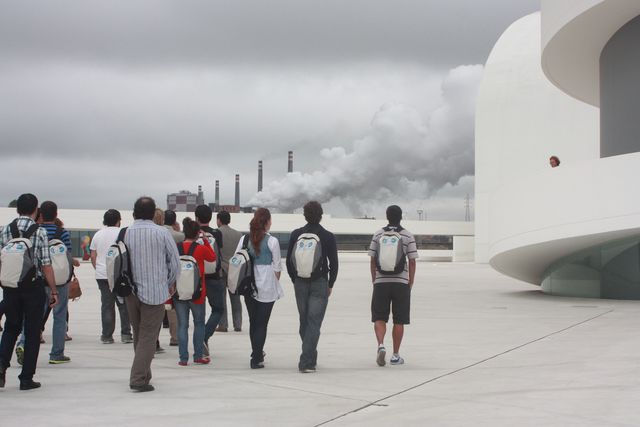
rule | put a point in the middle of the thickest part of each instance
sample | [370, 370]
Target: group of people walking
[160, 254]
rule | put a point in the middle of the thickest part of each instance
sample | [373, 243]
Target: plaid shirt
[38, 239]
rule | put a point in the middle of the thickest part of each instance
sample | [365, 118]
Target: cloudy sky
[103, 101]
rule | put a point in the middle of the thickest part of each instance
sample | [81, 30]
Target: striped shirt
[51, 232]
[38, 239]
[155, 261]
[410, 251]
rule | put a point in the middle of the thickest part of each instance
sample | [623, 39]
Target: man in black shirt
[216, 287]
[313, 274]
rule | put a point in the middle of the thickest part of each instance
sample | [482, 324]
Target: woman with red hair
[265, 250]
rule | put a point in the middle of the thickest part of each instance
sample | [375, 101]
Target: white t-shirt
[100, 243]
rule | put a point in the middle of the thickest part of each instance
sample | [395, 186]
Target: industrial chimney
[237, 190]
[290, 167]
[259, 175]
[200, 197]
[217, 194]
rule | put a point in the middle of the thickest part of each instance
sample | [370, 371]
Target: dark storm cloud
[155, 96]
[441, 33]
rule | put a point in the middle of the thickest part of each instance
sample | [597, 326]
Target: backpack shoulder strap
[13, 227]
[219, 241]
[30, 231]
[121, 235]
[245, 245]
[192, 248]
[180, 248]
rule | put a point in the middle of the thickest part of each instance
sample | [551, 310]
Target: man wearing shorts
[392, 290]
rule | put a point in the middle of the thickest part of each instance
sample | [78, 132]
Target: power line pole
[467, 207]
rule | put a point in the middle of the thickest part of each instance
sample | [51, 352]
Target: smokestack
[200, 196]
[290, 168]
[259, 175]
[237, 190]
[217, 193]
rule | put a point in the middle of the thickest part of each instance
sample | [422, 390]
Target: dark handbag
[75, 291]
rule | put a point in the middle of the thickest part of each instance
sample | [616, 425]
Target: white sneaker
[396, 360]
[205, 351]
[381, 355]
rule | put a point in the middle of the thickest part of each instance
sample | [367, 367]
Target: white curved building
[563, 82]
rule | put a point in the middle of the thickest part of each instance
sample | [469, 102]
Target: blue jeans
[312, 297]
[59, 329]
[216, 294]
[182, 311]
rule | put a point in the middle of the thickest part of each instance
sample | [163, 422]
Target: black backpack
[241, 279]
[119, 272]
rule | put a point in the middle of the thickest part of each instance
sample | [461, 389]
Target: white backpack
[240, 278]
[17, 262]
[212, 267]
[307, 255]
[189, 284]
[390, 258]
[61, 260]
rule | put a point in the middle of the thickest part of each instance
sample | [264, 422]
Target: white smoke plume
[401, 150]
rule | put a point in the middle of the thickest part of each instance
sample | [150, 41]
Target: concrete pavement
[482, 349]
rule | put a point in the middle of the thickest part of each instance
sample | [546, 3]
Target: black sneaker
[142, 388]
[257, 365]
[59, 360]
[3, 376]
[29, 385]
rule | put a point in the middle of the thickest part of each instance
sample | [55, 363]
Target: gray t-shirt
[410, 251]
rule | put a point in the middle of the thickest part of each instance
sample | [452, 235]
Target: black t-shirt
[329, 267]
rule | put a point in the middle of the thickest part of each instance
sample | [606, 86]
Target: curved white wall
[521, 120]
[560, 212]
[573, 35]
[528, 215]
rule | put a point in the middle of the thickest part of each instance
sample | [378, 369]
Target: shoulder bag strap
[13, 227]
[192, 248]
[30, 231]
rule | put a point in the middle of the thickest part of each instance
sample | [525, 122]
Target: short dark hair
[144, 208]
[169, 217]
[394, 214]
[111, 218]
[224, 217]
[203, 214]
[49, 211]
[26, 204]
[190, 228]
[313, 212]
